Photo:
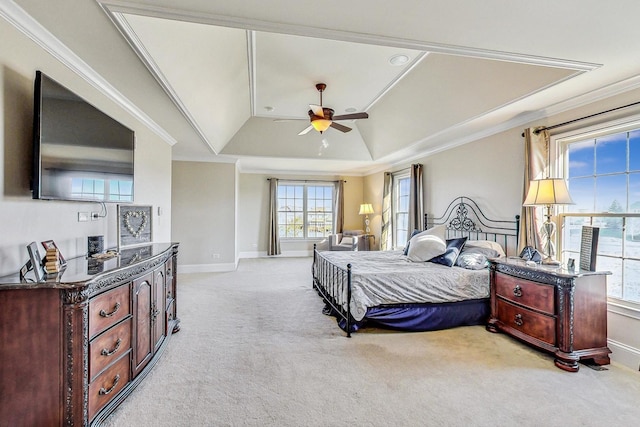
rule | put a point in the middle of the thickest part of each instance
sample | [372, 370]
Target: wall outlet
[216, 256]
[95, 216]
[83, 216]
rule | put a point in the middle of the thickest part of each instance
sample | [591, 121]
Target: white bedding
[388, 277]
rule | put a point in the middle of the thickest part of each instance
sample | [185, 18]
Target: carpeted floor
[255, 350]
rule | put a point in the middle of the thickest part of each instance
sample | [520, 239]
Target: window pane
[632, 280]
[634, 192]
[634, 150]
[611, 193]
[573, 234]
[632, 243]
[610, 240]
[611, 153]
[582, 193]
[614, 280]
[581, 158]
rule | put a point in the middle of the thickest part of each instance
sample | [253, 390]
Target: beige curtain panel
[274, 239]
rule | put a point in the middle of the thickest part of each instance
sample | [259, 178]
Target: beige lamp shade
[548, 191]
[365, 209]
[321, 124]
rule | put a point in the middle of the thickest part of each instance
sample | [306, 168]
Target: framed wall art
[134, 225]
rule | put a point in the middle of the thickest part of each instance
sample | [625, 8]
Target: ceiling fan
[322, 118]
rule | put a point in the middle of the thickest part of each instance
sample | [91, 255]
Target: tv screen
[80, 153]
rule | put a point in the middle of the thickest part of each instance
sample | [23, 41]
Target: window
[305, 211]
[602, 169]
[400, 210]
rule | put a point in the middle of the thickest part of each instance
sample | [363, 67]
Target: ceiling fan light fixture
[321, 124]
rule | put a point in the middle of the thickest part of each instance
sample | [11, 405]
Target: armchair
[348, 240]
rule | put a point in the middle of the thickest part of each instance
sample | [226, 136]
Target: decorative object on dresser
[134, 225]
[553, 309]
[548, 192]
[398, 290]
[589, 247]
[366, 209]
[34, 263]
[75, 346]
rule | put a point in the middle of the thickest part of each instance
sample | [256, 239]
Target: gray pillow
[472, 261]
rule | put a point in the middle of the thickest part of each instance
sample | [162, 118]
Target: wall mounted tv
[79, 153]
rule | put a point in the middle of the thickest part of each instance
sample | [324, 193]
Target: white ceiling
[218, 77]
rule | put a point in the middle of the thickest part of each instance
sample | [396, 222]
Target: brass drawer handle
[517, 291]
[115, 310]
[518, 320]
[104, 392]
[106, 352]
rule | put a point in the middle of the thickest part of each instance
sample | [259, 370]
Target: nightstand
[552, 309]
[369, 242]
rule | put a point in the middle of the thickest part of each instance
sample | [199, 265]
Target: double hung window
[305, 210]
[602, 168]
[400, 209]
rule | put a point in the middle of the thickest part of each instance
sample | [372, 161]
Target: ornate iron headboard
[464, 218]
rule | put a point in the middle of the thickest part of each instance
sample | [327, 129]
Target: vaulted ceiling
[232, 81]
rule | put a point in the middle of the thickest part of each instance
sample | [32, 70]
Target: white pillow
[439, 231]
[346, 241]
[486, 244]
[423, 247]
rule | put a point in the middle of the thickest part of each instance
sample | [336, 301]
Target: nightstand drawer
[537, 296]
[536, 325]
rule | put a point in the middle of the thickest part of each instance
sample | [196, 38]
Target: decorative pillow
[487, 244]
[486, 252]
[454, 246]
[346, 241]
[423, 247]
[472, 261]
[406, 248]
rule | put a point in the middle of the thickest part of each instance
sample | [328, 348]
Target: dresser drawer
[108, 384]
[536, 325]
[107, 347]
[532, 294]
[109, 308]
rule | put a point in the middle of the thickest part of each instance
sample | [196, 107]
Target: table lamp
[548, 192]
[366, 209]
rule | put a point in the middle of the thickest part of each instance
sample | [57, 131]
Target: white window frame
[558, 145]
[305, 211]
[395, 195]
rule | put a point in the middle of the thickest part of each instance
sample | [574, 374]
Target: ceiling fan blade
[317, 110]
[341, 128]
[306, 130]
[351, 116]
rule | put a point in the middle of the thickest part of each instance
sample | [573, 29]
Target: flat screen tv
[79, 152]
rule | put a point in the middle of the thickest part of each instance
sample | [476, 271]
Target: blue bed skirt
[422, 317]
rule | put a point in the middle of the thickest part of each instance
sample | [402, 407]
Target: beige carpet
[255, 350]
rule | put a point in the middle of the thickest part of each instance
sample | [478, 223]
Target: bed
[401, 290]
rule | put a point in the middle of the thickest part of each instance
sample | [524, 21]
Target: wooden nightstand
[555, 310]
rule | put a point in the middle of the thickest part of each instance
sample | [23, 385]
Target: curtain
[339, 213]
[416, 205]
[536, 158]
[274, 238]
[386, 238]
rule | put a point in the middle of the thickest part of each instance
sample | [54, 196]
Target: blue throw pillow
[454, 246]
[406, 248]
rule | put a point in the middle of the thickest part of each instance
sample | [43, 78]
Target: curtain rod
[306, 180]
[537, 131]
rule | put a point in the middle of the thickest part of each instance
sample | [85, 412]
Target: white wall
[22, 219]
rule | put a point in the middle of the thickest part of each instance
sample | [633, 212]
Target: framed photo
[50, 244]
[36, 261]
[134, 225]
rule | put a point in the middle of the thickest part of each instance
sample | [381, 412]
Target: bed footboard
[333, 283]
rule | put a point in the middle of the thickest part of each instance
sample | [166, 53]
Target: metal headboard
[464, 218]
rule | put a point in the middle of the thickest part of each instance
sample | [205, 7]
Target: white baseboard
[625, 355]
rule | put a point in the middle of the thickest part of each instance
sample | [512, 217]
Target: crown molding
[31, 28]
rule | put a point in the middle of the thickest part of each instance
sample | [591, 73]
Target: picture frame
[36, 261]
[50, 244]
[135, 225]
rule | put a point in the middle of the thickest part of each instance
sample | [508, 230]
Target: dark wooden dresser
[74, 346]
[555, 310]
